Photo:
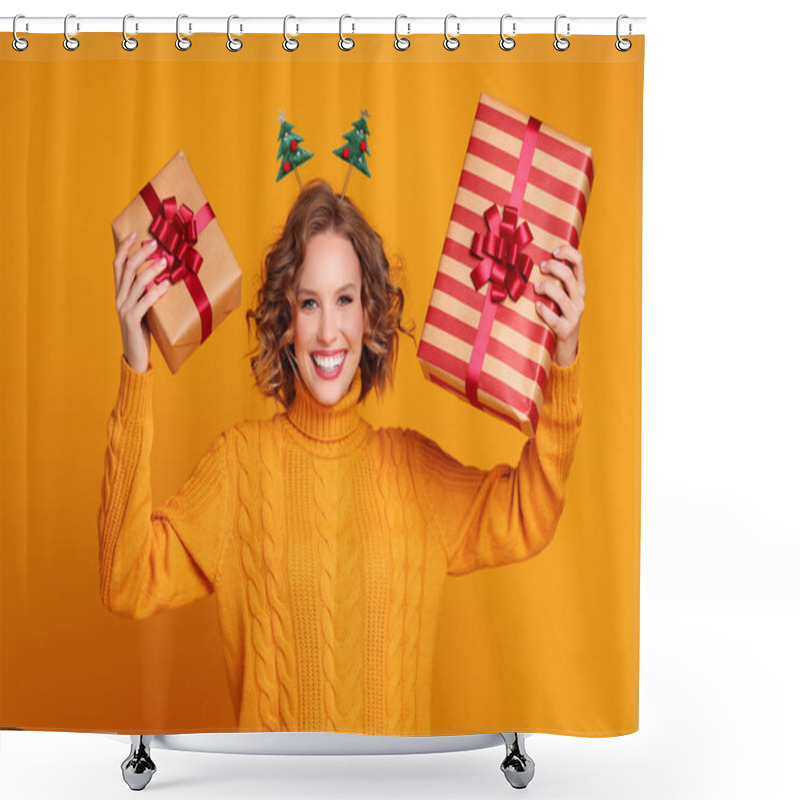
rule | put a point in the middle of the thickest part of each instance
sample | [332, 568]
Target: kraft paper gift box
[523, 190]
[206, 279]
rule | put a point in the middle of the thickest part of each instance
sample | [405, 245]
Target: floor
[718, 696]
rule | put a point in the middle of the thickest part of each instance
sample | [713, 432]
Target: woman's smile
[329, 365]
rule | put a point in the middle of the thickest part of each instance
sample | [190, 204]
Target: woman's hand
[569, 296]
[133, 301]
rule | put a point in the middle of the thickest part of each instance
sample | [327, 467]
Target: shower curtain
[457, 554]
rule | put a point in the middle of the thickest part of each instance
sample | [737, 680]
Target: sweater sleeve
[489, 518]
[152, 560]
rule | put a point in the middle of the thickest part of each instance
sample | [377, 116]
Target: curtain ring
[182, 43]
[623, 45]
[290, 44]
[507, 42]
[19, 43]
[128, 42]
[400, 42]
[345, 42]
[451, 42]
[560, 43]
[233, 44]
[70, 42]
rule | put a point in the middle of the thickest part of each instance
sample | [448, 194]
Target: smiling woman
[326, 291]
[327, 542]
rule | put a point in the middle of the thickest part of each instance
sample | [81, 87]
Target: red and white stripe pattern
[517, 360]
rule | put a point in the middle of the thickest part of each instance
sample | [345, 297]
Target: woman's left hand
[569, 296]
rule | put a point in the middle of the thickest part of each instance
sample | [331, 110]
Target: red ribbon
[502, 261]
[500, 250]
[176, 231]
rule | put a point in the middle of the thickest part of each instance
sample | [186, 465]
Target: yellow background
[549, 645]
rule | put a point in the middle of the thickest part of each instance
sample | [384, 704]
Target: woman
[326, 541]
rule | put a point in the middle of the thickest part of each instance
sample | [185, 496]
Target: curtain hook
[290, 44]
[128, 42]
[19, 43]
[345, 42]
[560, 43]
[182, 43]
[400, 42]
[233, 44]
[451, 42]
[507, 42]
[70, 42]
[623, 45]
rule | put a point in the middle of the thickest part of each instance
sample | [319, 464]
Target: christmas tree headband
[292, 155]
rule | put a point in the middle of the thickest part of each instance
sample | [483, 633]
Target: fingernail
[537, 286]
[162, 262]
[132, 235]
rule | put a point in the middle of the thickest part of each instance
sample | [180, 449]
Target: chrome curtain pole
[460, 26]
[452, 26]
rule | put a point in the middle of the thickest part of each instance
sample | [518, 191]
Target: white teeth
[329, 364]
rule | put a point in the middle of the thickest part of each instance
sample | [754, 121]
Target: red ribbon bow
[175, 230]
[500, 250]
[502, 262]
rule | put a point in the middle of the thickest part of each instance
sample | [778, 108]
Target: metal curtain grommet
[70, 42]
[345, 42]
[451, 42]
[623, 45]
[560, 43]
[290, 44]
[507, 42]
[18, 43]
[400, 42]
[182, 43]
[128, 42]
[233, 44]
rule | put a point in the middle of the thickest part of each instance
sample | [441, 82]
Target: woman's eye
[304, 303]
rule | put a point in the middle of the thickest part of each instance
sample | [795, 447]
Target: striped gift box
[523, 191]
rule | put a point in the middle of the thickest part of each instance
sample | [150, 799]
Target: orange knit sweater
[327, 543]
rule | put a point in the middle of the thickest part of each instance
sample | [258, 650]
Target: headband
[292, 155]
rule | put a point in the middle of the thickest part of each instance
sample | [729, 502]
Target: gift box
[206, 280]
[523, 191]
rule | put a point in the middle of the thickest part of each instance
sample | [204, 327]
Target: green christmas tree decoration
[356, 150]
[290, 154]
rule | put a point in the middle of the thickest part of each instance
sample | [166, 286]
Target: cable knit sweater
[326, 543]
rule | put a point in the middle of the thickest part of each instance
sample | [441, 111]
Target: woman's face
[329, 319]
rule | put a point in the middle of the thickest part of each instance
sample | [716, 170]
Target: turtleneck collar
[321, 422]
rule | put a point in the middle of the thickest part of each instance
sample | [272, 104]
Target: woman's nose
[327, 327]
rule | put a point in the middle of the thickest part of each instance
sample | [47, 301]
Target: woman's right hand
[133, 301]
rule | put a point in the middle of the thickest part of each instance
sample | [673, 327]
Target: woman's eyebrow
[351, 286]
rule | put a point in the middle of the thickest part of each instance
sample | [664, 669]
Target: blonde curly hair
[318, 209]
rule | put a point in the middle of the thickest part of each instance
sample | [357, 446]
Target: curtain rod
[407, 26]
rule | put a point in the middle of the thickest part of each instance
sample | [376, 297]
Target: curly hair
[318, 209]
